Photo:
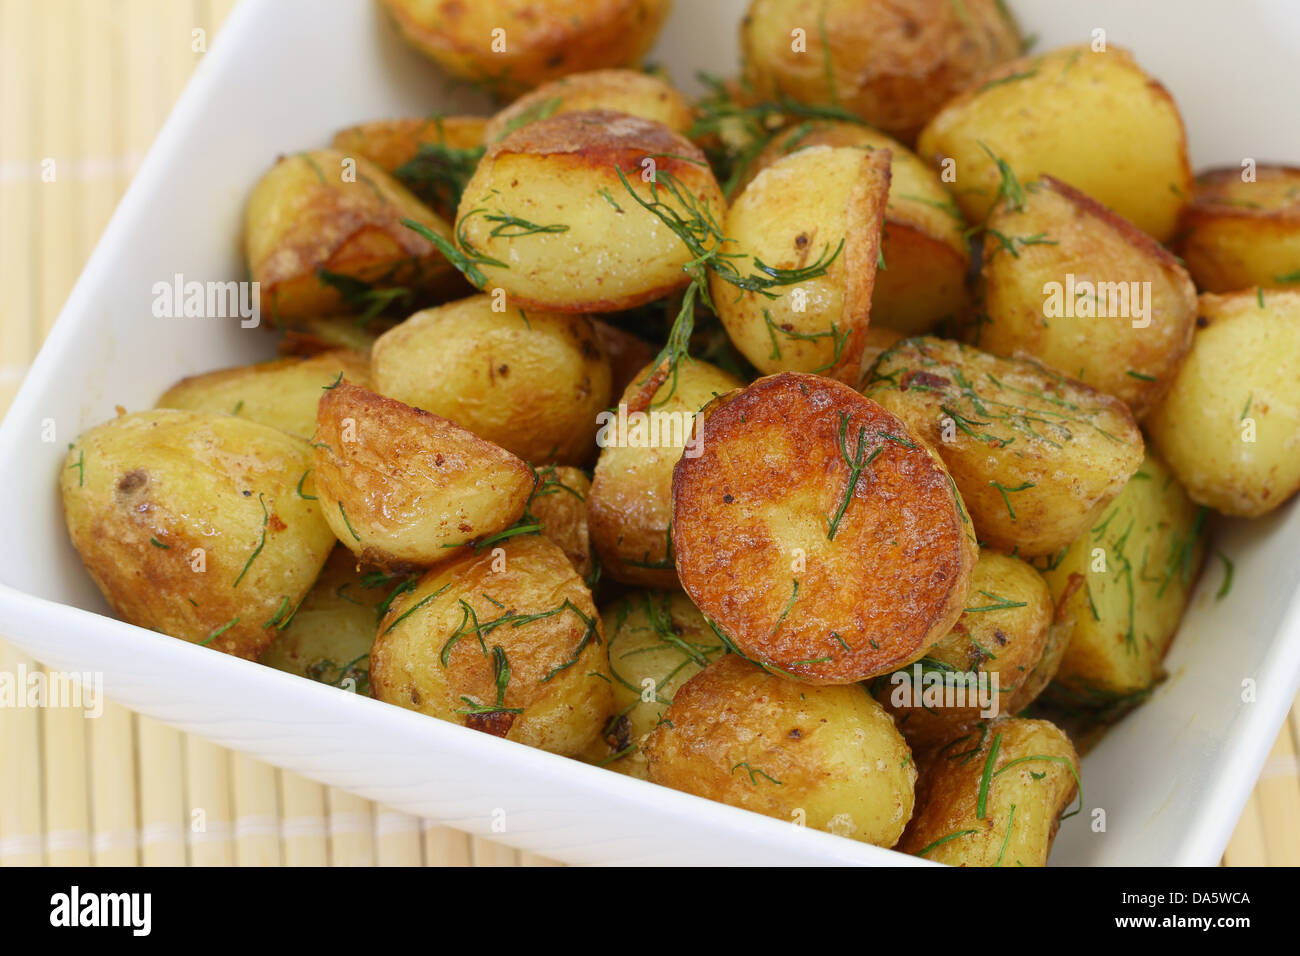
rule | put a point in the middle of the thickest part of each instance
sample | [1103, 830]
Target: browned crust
[1208, 204]
[862, 241]
[599, 137]
[1129, 232]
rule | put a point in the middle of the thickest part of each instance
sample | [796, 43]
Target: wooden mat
[88, 83]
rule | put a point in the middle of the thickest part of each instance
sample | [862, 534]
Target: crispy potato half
[401, 486]
[1040, 114]
[827, 757]
[1238, 234]
[1036, 455]
[802, 483]
[196, 525]
[560, 213]
[810, 222]
[323, 234]
[509, 46]
[506, 642]
[1003, 631]
[282, 393]
[529, 382]
[658, 640]
[1229, 426]
[892, 63]
[1082, 290]
[623, 91]
[559, 505]
[995, 796]
[630, 504]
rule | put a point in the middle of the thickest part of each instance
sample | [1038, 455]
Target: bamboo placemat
[88, 83]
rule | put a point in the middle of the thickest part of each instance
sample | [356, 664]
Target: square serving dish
[284, 75]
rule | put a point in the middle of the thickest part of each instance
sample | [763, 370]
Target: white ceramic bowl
[284, 75]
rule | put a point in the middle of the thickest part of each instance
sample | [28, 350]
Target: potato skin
[302, 218]
[529, 382]
[1057, 449]
[559, 503]
[559, 176]
[892, 63]
[401, 487]
[1243, 374]
[282, 393]
[165, 508]
[948, 796]
[818, 324]
[1131, 357]
[630, 505]
[771, 537]
[743, 737]
[1029, 113]
[428, 656]
[628, 354]
[542, 42]
[1237, 235]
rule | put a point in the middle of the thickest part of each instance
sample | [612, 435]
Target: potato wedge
[1031, 114]
[801, 485]
[530, 382]
[401, 487]
[1229, 426]
[506, 642]
[824, 757]
[559, 503]
[1082, 290]
[1035, 455]
[196, 525]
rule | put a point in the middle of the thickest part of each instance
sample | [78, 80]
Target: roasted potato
[877, 341]
[630, 505]
[1238, 233]
[559, 505]
[658, 640]
[981, 668]
[401, 486]
[197, 525]
[892, 63]
[802, 483]
[623, 91]
[331, 333]
[1026, 119]
[323, 234]
[815, 216]
[1082, 290]
[568, 192]
[1229, 426]
[505, 641]
[283, 393]
[530, 382]
[825, 757]
[1035, 455]
[628, 354]
[509, 46]
[995, 796]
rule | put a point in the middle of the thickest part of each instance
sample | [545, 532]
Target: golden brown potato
[892, 63]
[1067, 281]
[628, 354]
[984, 662]
[283, 393]
[323, 234]
[995, 796]
[802, 484]
[1030, 114]
[330, 333]
[1036, 455]
[817, 215]
[509, 46]
[531, 382]
[1229, 426]
[504, 641]
[1126, 582]
[630, 505]
[568, 191]
[824, 757]
[878, 341]
[197, 525]
[1236, 234]
[559, 503]
[658, 640]
[623, 91]
[401, 487]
